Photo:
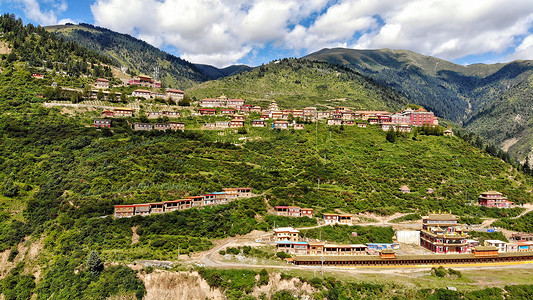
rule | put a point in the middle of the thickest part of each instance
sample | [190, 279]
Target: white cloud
[524, 50]
[451, 29]
[205, 31]
[32, 10]
[224, 31]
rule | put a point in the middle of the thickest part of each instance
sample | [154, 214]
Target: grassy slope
[298, 83]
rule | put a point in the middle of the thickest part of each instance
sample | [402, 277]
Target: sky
[252, 32]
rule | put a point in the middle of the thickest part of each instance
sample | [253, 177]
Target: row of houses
[293, 211]
[128, 112]
[171, 94]
[144, 209]
[288, 240]
[159, 126]
[239, 121]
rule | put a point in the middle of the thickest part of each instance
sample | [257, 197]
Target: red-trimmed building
[441, 233]
[102, 123]
[419, 117]
[145, 81]
[123, 112]
[101, 83]
[207, 111]
[494, 199]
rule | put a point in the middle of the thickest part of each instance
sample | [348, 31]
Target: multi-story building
[419, 117]
[494, 199]
[145, 81]
[286, 234]
[441, 233]
[101, 83]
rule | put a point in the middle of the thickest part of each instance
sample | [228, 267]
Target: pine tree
[391, 135]
[94, 263]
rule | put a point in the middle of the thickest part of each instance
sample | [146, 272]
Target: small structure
[161, 126]
[207, 111]
[307, 212]
[259, 123]
[175, 95]
[177, 126]
[494, 199]
[361, 125]
[500, 245]
[408, 237]
[429, 190]
[383, 246]
[387, 254]
[102, 123]
[101, 83]
[335, 122]
[485, 251]
[222, 124]
[522, 237]
[236, 123]
[122, 211]
[37, 76]
[298, 126]
[143, 126]
[330, 218]
[405, 189]
[123, 112]
[280, 125]
[108, 113]
[448, 132]
[146, 94]
[227, 111]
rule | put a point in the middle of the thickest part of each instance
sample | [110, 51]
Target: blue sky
[224, 32]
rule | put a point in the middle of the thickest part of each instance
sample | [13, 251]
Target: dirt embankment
[178, 285]
[275, 284]
[27, 252]
[162, 284]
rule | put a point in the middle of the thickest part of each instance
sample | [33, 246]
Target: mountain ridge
[140, 57]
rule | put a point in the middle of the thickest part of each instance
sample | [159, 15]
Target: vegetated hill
[140, 57]
[136, 55]
[65, 175]
[508, 120]
[216, 73]
[464, 94]
[297, 83]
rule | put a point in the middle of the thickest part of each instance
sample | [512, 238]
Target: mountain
[476, 96]
[297, 83]
[216, 73]
[140, 57]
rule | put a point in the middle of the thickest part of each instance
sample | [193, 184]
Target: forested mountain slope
[297, 83]
[468, 95]
[136, 55]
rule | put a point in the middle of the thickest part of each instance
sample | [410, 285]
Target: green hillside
[60, 177]
[296, 83]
